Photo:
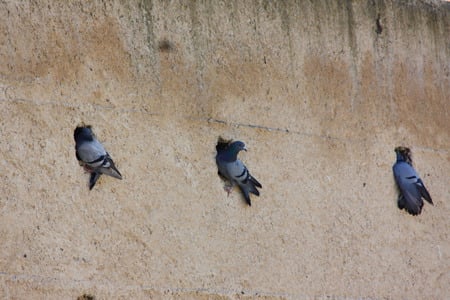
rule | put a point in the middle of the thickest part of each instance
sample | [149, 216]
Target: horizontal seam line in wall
[209, 120]
[87, 284]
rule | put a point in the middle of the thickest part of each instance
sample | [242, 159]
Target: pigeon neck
[400, 157]
[231, 156]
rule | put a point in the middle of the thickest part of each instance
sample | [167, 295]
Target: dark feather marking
[243, 173]
[97, 160]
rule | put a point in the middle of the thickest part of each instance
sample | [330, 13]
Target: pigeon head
[403, 154]
[83, 133]
[237, 146]
[229, 152]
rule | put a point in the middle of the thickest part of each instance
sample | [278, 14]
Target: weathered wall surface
[321, 100]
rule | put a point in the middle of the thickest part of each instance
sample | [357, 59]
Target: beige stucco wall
[320, 99]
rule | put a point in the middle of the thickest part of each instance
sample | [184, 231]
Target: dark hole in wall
[166, 46]
[379, 29]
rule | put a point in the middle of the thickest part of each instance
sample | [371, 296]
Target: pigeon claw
[88, 169]
[228, 188]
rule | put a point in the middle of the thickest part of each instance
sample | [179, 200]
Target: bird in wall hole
[233, 170]
[411, 187]
[92, 155]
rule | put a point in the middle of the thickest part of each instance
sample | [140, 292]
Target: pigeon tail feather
[93, 179]
[423, 191]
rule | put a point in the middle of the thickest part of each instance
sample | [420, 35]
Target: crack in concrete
[283, 130]
[145, 110]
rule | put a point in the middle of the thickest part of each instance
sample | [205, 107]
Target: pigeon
[411, 187]
[233, 170]
[92, 156]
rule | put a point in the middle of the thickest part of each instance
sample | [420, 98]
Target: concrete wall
[318, 95]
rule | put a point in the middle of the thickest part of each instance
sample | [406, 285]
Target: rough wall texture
[320, 94]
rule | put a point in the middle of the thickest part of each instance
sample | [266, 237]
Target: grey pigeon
[411, 187]
[92, 156]
[233, 170]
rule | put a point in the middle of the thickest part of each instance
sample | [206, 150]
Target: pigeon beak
[245, 149]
